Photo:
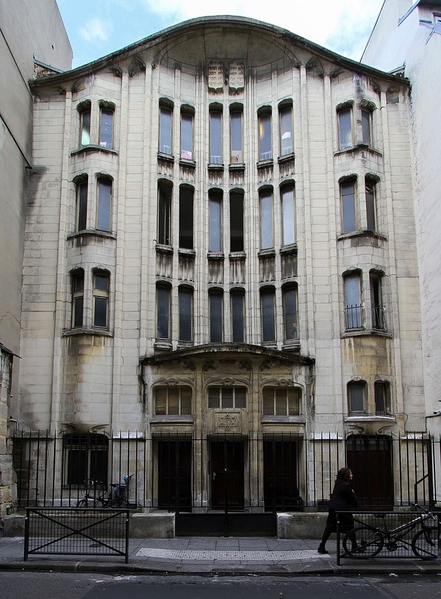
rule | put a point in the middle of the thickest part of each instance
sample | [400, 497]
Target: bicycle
[97, 496]
[367, 541]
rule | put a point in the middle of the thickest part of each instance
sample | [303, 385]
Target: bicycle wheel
[82, 503]
[368, 542]
[425, 543]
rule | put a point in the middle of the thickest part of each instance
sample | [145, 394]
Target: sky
[99, 27]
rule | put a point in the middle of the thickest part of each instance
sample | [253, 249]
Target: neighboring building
[27, 29]
[220, 286]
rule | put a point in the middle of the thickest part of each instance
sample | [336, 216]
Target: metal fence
[274, 472]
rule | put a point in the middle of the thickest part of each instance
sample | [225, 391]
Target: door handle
[214, 475]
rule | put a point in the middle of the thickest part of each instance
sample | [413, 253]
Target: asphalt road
[51, 585]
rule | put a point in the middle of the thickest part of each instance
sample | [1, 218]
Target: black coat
[343, 498]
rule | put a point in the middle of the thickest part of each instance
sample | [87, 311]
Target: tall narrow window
[370, 193]
[186, 218]
[286, 141]
[106, 128]
[266, 219]
[165, 130]
[77, 281]
[345, 128]
[353, 308]
[347, 192]
[236, 153]
[162, 312]
[215, 137]
[366, 126]
[164, 214]
[185, 314]
[101, 299]
[237, 315]
[85, 127]
[236, 222]
[216, 315]
[382, 397]
[215, 222]
[265, 150]
[104, 205]
[267, 306]
[290, 312]
[187, 135]
[288, 215]
[82, 204]
[378, 309]
[356, 396]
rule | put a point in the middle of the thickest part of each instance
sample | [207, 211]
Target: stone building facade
[221, 263]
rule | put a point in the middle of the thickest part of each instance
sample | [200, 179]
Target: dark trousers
[346, 524]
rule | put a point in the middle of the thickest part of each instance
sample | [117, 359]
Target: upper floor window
[265, 138]
[366, 126]
[187, 135]
[185, 314]
[371, 212]
[85, 126]
[377, 305]
[238, 315]
[345, 128]
[106, 127]
[289, 294]
[216, 300]
[215, 136]
[236, 140]
[81, 208]
[162, 311]
[288, 215]
[236, 221]
[347, 195]
[101, 299]
[267, 307]
[227, 397]
[281, 401]
[266, 219]
[186, 217]
[172, 401]
[104, 204]
[164, 213]
[382, 397]
[215, 230]
[165, 129]
[356, 396]
[353, 310]
[77, 284]
[286, 137]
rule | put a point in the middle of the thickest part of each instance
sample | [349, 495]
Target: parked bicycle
[96, 494]
[371, 540]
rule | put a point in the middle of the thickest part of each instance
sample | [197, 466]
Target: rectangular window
[227, 397]
[347, 192]
[345, 128]
[237, 316]
[286, 141]
[186, 218]
[378, 309]
[366, 121]
[265, 151]
[370, 191]
[236, 154]
[356, 397]
[104, 205]
[164, 214]
[82, 205]
[85, 127]
[77, 299]
[85, 458]
[100, 300]
[163, 312]
[185, 314]
[236, 222]
[215, 137]
[216, 316]
[165, 130]
[353, 301]
[290, 313]
[186, 136]
[215, 223]
[288, 216]
[280, 401]
[266, 220]
[106, 128]
[382, 397]
[170, 401]
[267, 303]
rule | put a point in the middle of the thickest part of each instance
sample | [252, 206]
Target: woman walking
[343, 499]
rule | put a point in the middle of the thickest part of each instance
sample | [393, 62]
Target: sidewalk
[227, 556]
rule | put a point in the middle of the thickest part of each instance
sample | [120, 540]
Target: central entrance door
[174, 474]
[227, 474]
